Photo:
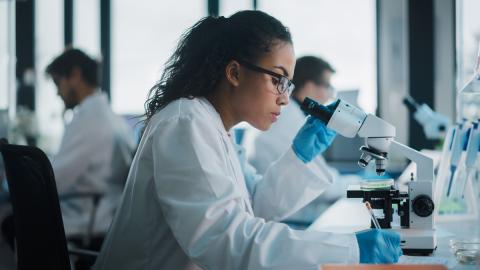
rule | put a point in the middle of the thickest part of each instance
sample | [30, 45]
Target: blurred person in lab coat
[312, 78]
[190, 201]
[96, 149]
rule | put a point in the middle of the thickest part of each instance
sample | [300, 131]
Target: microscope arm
[417, 207]
[424, 163]
[379, 135]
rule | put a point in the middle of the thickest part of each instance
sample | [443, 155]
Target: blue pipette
[472, 153]
[456, 150]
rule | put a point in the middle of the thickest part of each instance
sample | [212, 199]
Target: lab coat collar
[232, 151]
[215, 115]
[90, 100]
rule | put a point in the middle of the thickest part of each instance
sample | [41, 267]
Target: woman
[187, 204]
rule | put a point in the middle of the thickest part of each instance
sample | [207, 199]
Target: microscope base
[417, 241]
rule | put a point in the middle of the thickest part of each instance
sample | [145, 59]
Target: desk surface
[350, 215]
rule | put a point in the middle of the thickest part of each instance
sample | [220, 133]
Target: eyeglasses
[284, 85]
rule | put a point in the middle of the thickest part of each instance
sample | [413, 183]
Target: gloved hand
[312, 139]
[379, 246]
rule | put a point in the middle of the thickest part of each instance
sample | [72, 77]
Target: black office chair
[39, 233]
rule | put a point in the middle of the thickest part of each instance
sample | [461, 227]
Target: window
[49, 44]
[341, 32]
[7, 53]
[228, 7]
[468, 39]
[86, 27]
[143, 37]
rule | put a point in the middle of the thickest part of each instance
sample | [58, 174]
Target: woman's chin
[262, 126]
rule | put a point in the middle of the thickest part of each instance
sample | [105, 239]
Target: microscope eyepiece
[411, 104]
[319, 111]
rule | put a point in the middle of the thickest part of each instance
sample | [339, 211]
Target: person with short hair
[96, 148]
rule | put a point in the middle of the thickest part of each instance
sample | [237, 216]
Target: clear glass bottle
[468, 101]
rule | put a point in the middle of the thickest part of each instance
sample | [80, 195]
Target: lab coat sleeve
[75, 153]
[206, 211]
[288, 186]
[337, 189]
[267, 149]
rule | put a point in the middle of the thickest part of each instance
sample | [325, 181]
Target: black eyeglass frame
[289, 86]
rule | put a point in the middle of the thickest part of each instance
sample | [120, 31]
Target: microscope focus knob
[422, 206]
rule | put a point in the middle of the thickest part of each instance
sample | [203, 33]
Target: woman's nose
[283, 99]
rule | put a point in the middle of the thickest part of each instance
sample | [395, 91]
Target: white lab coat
[264, 148]
[186, 204]
[95, 154]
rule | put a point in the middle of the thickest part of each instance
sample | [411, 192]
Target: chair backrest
[39, 232]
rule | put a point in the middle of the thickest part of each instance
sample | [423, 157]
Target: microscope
[415, 206]
[434, 124]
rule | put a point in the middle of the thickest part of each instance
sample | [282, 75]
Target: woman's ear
[232, 72]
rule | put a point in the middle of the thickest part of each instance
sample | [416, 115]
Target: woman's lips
[275, 116]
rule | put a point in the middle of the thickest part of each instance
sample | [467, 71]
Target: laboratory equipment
[415, 206]
[456, 148]
[350, 121]
[466, 251]
[376, 184]
[459, 165]
[455, 191]
[472, 150]
[434, 124]
[374, 219]
[468, 101]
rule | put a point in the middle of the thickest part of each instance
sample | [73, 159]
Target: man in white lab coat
[312, 78]
[96, 149]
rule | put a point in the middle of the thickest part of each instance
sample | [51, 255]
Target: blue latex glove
[379, 246]
[312, 139]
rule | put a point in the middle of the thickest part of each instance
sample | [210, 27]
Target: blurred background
[382, 49]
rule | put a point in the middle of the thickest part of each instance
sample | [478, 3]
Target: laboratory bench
[351, 215]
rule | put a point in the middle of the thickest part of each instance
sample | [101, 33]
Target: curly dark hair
[199, 61]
